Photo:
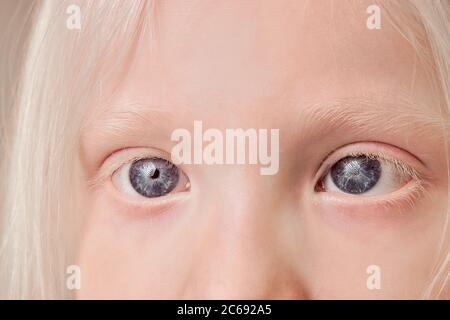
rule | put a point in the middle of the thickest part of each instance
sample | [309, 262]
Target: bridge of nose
[240, 249]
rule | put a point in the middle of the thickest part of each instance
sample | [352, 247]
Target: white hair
[430, 36]
[39, 169]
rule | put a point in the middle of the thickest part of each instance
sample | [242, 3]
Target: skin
[317, 73]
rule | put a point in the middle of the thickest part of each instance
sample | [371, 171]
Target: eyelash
[107, 174]
[397, 201]
[110, 167]
[399, 165]
[137, 204]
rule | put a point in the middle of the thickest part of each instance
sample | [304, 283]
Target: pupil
[154, 174]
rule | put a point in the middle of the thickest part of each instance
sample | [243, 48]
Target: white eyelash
[399, 165]
[99, 179]
[402, 167]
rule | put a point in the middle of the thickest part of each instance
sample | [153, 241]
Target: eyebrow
[363, 115]
[359, 115]
[105, 130]
[119, 119]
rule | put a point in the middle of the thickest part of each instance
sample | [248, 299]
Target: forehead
[243, 55]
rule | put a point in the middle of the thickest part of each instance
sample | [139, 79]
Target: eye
[150, 178]
[364, 175]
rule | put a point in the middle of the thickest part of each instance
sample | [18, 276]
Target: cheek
[404, 245]
[127, 256]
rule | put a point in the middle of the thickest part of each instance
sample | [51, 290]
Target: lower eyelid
[397, 202]
[144, 206]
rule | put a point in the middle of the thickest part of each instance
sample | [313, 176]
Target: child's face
[335, 90]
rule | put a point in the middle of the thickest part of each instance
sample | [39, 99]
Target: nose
[242, 251]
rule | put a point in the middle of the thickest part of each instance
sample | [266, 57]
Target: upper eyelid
[335, 155]
[109, 167]
[339, 153]
[401, 166]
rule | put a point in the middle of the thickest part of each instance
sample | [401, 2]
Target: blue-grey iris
[356, 175]
[153, 177]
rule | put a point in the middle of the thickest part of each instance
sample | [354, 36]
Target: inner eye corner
[319, 185]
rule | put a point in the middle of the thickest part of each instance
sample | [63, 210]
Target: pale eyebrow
[367, 115]
[360, 113]
[120, 119]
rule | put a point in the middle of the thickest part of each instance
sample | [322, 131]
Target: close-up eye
[365, 175]
[150, 177]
